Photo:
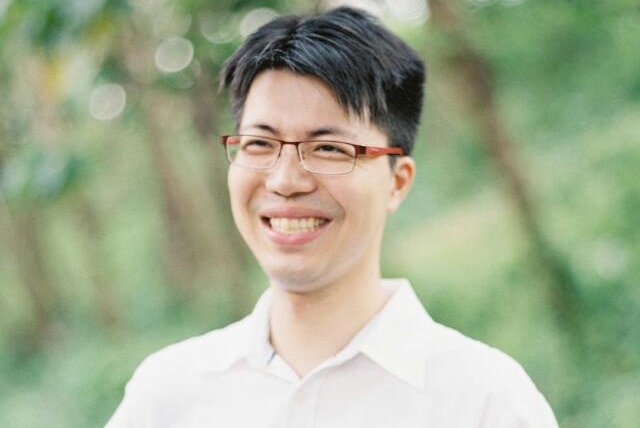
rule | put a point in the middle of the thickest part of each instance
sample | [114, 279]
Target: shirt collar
[247, 339]
[399, 338]
[402, 337]
[259, 350]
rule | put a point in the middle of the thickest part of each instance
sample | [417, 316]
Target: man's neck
[308, 328]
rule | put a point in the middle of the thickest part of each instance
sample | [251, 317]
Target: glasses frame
[360, 151]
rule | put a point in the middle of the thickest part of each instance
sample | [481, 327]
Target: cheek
[364, 210]
[240, 190]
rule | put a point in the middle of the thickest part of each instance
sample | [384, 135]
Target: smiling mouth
[294, 226]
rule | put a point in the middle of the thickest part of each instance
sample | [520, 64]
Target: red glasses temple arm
[380, 151]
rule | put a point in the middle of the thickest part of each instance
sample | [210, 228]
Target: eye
[331, 149]
[257, 145]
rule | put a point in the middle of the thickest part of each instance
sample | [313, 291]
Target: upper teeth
[295, 225]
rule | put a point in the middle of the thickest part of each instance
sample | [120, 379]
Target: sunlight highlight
[215, 30]
[174, 54]
[255, 19]
[107, 101]
[371, 6]
[414, 11]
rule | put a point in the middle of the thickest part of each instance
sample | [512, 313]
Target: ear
[404, 171]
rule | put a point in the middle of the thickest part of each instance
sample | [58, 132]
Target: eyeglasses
[320, 157]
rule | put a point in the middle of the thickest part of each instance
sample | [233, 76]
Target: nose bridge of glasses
[295, 151]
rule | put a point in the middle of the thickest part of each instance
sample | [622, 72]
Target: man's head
[374, 75]
[333, 81]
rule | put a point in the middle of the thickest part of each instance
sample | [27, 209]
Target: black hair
[373, 73]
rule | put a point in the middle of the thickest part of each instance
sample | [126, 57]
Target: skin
[326, 282]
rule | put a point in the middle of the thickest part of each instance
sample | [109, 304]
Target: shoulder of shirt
[408, 343]
[476, 368]
[475, 360]
[214, 350]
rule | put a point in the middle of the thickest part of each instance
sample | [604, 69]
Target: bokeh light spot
[216, 30]
[370, 6]
[107, 101]
[255, 19]
[171, 22]
[174, 54]
[416, 11]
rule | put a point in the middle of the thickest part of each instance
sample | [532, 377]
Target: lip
[293, 213]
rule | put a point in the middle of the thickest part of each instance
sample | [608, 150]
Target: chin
[299, 282]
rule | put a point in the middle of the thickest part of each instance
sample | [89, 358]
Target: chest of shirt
[350, 396]
[316, 404]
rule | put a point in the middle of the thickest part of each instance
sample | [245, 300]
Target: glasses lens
[328, 157]
[320, 157]
[252, 152]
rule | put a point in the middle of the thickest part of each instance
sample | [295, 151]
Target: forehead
[288, 101]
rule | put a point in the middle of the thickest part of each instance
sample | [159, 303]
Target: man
[327, 108]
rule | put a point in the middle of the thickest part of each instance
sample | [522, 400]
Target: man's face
[306, 230]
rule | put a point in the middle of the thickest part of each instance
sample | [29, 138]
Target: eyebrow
[329, 130]
[262, 127]
[315, 133]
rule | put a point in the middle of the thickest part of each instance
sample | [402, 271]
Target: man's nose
[288, 177]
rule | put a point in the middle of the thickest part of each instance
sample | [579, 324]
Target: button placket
[303, 404]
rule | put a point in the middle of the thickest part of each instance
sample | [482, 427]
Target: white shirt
[402, 370]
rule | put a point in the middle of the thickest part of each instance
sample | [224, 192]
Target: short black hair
[373, 73]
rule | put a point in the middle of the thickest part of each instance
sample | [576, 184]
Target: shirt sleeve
[135, 410]
[518, 404]
[128, 414]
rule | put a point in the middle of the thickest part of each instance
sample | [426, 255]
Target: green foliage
[36, 176]
[49, 24]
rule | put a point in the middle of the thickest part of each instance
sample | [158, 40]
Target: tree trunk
[181, 258]
[228, 250]
[93, 232]
[473, 71]
[21, 235]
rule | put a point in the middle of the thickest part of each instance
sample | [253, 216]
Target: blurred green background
[522, 229]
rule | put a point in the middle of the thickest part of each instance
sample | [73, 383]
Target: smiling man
[327, 108]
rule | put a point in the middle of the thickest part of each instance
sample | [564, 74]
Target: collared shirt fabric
[402, 370]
